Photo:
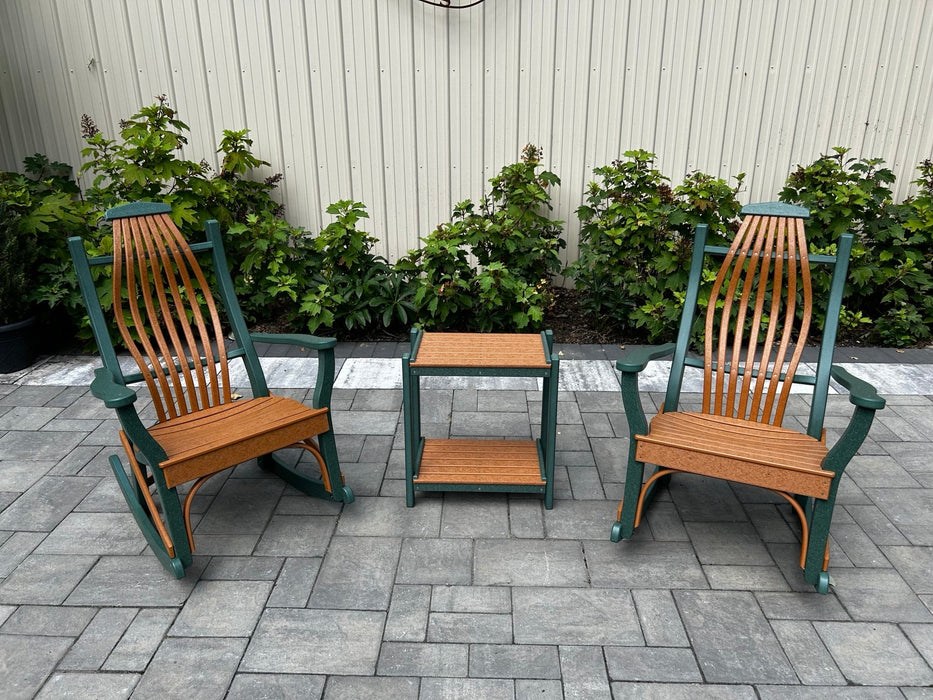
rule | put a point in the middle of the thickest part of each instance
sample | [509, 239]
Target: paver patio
[472, 596]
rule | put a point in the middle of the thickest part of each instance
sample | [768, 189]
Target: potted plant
[37, 213]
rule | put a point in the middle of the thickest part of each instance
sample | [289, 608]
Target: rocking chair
[757, 323]
[167, 317]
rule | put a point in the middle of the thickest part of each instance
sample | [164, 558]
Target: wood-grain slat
[487, 462]
[487, 350]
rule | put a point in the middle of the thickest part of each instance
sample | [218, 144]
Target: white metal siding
[411, 108]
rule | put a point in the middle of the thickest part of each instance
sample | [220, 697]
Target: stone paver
[464, 595]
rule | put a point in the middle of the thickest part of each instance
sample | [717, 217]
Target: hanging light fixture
[448, 4]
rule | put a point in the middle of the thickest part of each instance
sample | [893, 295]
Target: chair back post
[94, 311]
[687, 319]
[231, 306]
[830, 328]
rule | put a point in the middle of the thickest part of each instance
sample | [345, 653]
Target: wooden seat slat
[506, 462]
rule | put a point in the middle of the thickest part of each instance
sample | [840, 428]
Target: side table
[479, 464]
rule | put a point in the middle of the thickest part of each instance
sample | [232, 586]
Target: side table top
[492, 350]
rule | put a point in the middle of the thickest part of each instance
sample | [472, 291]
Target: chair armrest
[113, 395]
[638, 359]
[304, 340]
[324, 385]
[861, 393]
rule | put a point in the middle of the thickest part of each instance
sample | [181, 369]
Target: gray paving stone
[142, 638]
[243, 569]
[436, 561]
[357, 573]
[807, 653]
[15, 547]
[503, 401]
[911, 510]
[491, 424]
[526, 517]
[729, 544]
[484, 628]
[660, 621]
[46, 504]
[134, 582]
[475, 515]
[94, 533]
[47, 620]
[874, 653]
[364, 422]
[664, 521]
[538, 690]
[798, 692]
[878, 594]
[243, 506]
[376, 688]
[423, 660]
[467, 688]
[746, 578]
[19, 476]
[514, 661]
[529, 563]
[702, 499]
[289, 640]
[407, 620]
[89, 685]
[639, 563]
[248, 686]
[293, 586]
[801, 606]
[476, 599]
[574, 616]
[222, 609]
[876, 525]
[682, 691]
[94, 645]
[207, 664]
[388, 517]
[654, 664]
[733, 641]
[45, 579]
[296, 536]
[27, 662]
[922, 638]
[583, 670]
[579, 520]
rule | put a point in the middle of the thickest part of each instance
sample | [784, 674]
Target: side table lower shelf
[476, 465]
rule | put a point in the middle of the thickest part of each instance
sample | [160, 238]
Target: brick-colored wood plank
[505, 462]
[494, 350]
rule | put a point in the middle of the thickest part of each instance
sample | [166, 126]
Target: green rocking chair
[757, 323]
[167, 317]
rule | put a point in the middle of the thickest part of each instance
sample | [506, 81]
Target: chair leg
[814, 570]
[624, 526]
[330, 486]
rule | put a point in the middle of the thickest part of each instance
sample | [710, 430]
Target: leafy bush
[888, 294]
[38, 211]
[353, 287]
[636, 241]
[516, 248]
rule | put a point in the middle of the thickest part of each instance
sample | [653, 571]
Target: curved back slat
[751, 356]
[167, 316]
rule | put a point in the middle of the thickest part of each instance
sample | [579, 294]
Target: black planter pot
[17, 346]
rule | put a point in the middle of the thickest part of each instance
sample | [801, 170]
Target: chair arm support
[113, 395]
[324, 385]
[638, 359]
[303, 340]
[861, 393]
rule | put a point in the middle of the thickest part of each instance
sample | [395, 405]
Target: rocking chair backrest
[759, 318]
[165, 311]
[167, 317]
[754, 333]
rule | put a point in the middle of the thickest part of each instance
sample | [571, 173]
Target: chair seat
[222, 436]
[738, 450]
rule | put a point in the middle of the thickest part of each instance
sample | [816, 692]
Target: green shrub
[636, 242]
[515, 246]
[353, 288]
[888, 293]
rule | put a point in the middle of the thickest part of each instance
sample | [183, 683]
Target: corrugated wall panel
[411, 108]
